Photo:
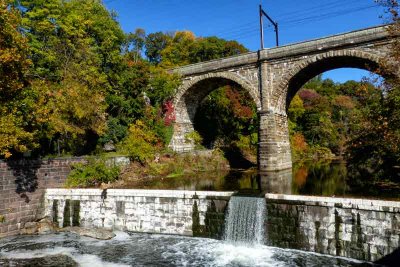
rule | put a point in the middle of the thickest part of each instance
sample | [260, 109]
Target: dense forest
[72, 82]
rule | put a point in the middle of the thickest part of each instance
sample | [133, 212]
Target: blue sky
[299, 20]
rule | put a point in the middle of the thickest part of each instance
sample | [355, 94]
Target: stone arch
[317, 64]
[192, 92]
[219, 78]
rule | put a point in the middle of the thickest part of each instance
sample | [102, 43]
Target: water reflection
[276, 182]
[320, 178]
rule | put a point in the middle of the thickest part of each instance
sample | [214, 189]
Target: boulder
[97, 233]
[58, 260]
[46, 226]
[43, 226]
[30, 228]
[109, 146]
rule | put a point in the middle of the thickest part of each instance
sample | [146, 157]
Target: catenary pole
[275, 24]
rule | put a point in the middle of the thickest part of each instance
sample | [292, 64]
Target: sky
[298, 20]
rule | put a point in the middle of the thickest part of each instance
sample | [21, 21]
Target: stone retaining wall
[22, 186]
[356, 228]
[151, 211]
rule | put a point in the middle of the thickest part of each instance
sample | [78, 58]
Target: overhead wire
[326, 15]
[281, 17]
[247, 30]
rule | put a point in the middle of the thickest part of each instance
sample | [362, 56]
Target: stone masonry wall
[22, 187]
[150, 211]
[356, 228]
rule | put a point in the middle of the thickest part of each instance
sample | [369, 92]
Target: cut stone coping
[349, 203]
[136, 192]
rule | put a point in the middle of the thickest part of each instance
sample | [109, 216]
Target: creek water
[132, 249]
[323, 178]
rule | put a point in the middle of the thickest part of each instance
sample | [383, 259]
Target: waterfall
[244, 223]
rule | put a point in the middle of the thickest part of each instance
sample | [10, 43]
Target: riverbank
[166, 171]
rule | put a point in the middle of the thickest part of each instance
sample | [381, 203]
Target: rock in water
[58, 260]
[44, 226]
[30, 228]
[97, 233]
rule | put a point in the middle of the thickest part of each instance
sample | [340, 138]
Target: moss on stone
[76, 207]
[197, 229]
[338, 222]
[55, 211]
[67, 213]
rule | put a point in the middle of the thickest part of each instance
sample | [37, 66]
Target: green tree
[155, 43]
[140, 144]
[14, 65]
[225, 116]
[375, 149]
[135, 43]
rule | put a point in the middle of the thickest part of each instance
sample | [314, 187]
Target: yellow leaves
[76, 108]
[140, 144]
[184, 36]
[13, 49]
[344, 101]
[12, 135]
[70, 108]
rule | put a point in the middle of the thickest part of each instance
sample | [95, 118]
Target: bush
[92, 173]
[195, 138]
[141, 142]
[248, 143]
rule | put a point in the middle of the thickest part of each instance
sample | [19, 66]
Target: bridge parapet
[349, 39]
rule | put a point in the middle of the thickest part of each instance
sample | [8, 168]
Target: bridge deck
[352, 38]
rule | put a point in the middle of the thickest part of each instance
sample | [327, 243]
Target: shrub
[194, 137]
[140, 144]
[92, 173]
[248, 143]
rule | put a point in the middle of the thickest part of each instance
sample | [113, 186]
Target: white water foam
[163, 250]
[228, 254]
[38, 253]
[87, 260]
[84, 260]
[121, 236]
[244, 224]
[217, 253]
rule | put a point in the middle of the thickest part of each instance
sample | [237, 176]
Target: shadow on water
[391, 260]
[25, 173]
[236, 159]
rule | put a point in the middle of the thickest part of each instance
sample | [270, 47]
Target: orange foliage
[344, 101]
[299, 142]
[300, 178]
[240, 110]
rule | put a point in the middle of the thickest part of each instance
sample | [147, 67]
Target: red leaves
[169, 113]
[237, 102]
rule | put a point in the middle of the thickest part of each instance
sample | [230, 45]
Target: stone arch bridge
[272, 77]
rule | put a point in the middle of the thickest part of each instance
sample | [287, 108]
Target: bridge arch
[192, 92]
[302, 72]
